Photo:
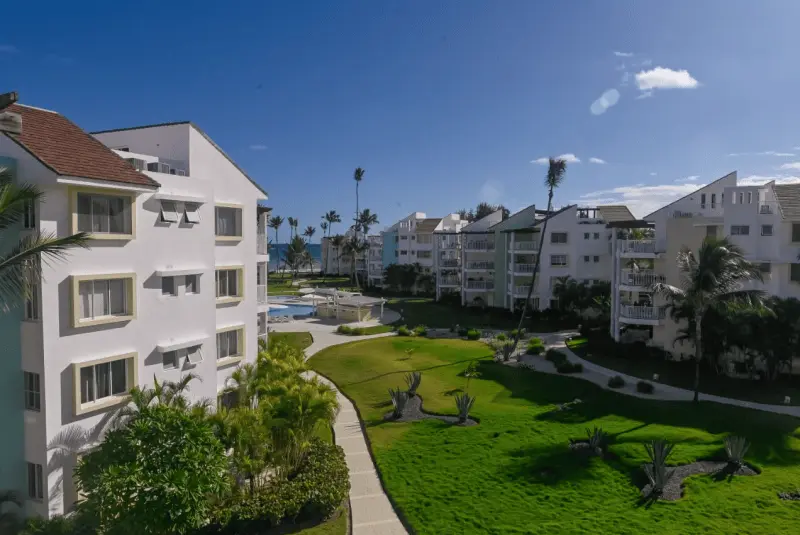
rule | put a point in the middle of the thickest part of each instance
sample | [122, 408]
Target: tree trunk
[698, 354]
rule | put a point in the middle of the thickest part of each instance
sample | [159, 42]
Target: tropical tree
[309, 232]
[293, 222]
[295, 257]
[21, 262]
[556, 170]
[330, 218]
[358, 176]
[275, 223]
[482, 210]
[711, 277]
[367, 219]
[324, 226]
[337, 242]
[354, 249]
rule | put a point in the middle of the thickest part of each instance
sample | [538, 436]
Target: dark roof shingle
[67, 150]
[788, 196]
[614, 213]
[428, 225]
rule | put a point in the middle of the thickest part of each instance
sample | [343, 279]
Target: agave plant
[657, 472]
[597, 440]
[503, 349]
[399, 401]
[736, 448]
[413, 380]
[464, 403]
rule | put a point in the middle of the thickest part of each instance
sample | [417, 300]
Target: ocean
[277, 252]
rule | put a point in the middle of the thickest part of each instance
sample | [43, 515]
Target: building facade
[168, 285]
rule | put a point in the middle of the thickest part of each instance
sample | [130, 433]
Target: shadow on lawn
[403, 372]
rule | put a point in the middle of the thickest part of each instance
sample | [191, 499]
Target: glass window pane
[233, 279]
[191, 284]
[31, 480]
[99, 299]
[226, 221]
[168, 286]
[102, 375]
[117, 296]
[87, 384]
[85, 296]
[84, 213]
[233, 342]
[117, 215]
[222, 283]
[119, 377]
[99, 214]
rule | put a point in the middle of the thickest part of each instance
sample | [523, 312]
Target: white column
[513, 282]
[615, 272]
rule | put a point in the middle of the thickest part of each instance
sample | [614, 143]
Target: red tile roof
[63, 147]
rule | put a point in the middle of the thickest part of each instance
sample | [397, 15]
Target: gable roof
[523, 219]
[690, 194]
[61, 146]
[426, 226]
[199, 131]
[613, 213]
[788, 196]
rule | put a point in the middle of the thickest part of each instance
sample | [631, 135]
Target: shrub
[399, 401]
[657, 472]
[513, 333]
[536, 342]
[351, 331]
[597, 440]
[413, 380]
[644, 387]
[735, 449]
[473, 334]
[534, 350]
[403, 331]
[344, 329]
[501, 337]
[421, 330]
[464, 403]
[616, 382]
[569, 367]
[556, 357]
[463, 331]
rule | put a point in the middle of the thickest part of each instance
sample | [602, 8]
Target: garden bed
[673, 490]
[413, 413]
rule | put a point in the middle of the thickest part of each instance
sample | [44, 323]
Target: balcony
[643, 315]
[524, 268]
[637, 247]
[480, 245]
[480, 285]
[262, 245]
[643, 278]
[526, 246]
[448, 244]
[449, 281]
[767, 208]
[522, 290]
[480, 266]
[262, 294]
[449, 263]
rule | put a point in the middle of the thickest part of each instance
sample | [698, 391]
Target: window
[414, 237]
[169, 212]
[796, 232]
[585, 235]
[558, 260]
[35, 482]
[596, 259]
[33, 391]
[170, 360]
[229, 343]
[741, 197]
[586, 259]
[105, 380]
[192, 284]
[766, 230]
[711, 231]
[740, 230]
[32, 302]
[702, 200]
[765, 267]
[228, 222]
[403, 252]
[749, 197]
[713, 200]
[168, 286]
[722, 199]
[228, 283]
[403, 237]
[29, 215]
[558, 237]
[104, 298]
[194, 355]
[596, 235]
[794, 272]
[104, 214]
[191, 213]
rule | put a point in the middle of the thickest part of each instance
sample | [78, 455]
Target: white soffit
[174, 345]
[176, 272]
[178, 196]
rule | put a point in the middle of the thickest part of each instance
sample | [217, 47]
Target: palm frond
[667, 291]
[556, 170]
[14, 198]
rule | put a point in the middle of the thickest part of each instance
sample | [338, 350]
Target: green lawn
[300, 340]
[513, 473]
[681, 374]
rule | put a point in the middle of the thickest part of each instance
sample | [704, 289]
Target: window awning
[179, 196]
[176, 272]
[174, 345]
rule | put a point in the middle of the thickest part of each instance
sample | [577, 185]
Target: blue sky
[444, 104]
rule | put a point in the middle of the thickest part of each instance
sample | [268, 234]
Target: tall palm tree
[324, 226]
[332, 217]
[275, 223]
[293, 222]
[337, 242]
[367, 219]
[21, 262]
[358, 176]
[556, 170]
[309, 232]
[354, 248]
[714, 276]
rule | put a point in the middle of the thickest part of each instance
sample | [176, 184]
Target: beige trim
[227, 361]
[239, 284]
[73, 210]
[133, 380]
[239, 207]
[130, 288]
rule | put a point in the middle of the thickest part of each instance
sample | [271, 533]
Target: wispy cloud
[764, 153]
[258, 146]
[757, 180]
[8, 49]
[647, 62]
[684, 180]
[608, 99]
[653, 173]
[644, 94]
[641, 199]
[791, 165]
[664, 78]
[491, 192]
[568, 157]
[596, 160]
[623, 54]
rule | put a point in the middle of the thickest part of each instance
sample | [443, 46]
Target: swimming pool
[292, 310]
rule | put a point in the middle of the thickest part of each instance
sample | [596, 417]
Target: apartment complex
[173, 282]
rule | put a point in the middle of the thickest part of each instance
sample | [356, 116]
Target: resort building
[375, 260]
[172, 282]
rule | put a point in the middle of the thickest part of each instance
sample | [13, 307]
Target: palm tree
[10, 512]
[555, 176]
[293, 222]
[713, 277]
[358, 176]
[324, 226]
[332, 217]
[338, 242]
[309, 232]
[367, 219]
[21, 262]
[353, 248]
[275, 222]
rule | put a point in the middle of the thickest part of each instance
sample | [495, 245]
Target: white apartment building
[374, 259]
[169, 285]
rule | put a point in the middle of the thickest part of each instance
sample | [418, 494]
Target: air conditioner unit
[137, 163]
[179, 172]
[158, 167]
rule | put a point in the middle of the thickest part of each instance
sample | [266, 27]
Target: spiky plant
[736, 448]
[464, 403]
[413, 380]
[657, 472]
[597, 440]
[399, 401]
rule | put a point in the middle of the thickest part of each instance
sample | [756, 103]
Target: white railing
[643, 277]
[449, 263]
[449, 281]
[526, 246]
[262, 245]
[480, 265]
[448, 244]
[637, 246]
[262, 294]
[524, 268]
[480, 285]
[521, 290]
[642, 313]
[480, 245]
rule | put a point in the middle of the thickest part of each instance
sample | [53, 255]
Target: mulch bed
[674, 489]
[413, 412]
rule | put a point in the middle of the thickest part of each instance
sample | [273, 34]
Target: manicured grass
[681, 374]
[375, 329]
[300, 340]
[513, 473]
[336, 526]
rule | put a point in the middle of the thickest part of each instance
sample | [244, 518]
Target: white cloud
[757, 180]
[568, 157]
[644, 94]
[663, 78]
[792, 165]
[491, 192]
[653, 173]
[8, 48]
[596, 160]
[606, 100]
[641, 199]
[764, 153]
[647, 63]
[258, 146]
[692, 178]
[623, 54]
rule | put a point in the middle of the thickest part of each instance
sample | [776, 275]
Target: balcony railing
[449, 263]
[643, 277]
[521, 290]
[524, 268]
[637, 246]
[448, 244]
[767, 208]
[262, 246]
[262, 294]
[480, 285]
[526, 246]
[449, 281]
[480, 245]
[642, 312]
[485, 266]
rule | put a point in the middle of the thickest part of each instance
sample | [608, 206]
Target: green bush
[463, 331]
[569, 367]
[534, 350]
[535, 342]
[75, 524]
[501, 337]
[556, 357]
[513, 333]
[403, 331]
[421, 330]
[351, 331]
[473, 334]
[343, 329]
[644, 387]
[616, 382]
